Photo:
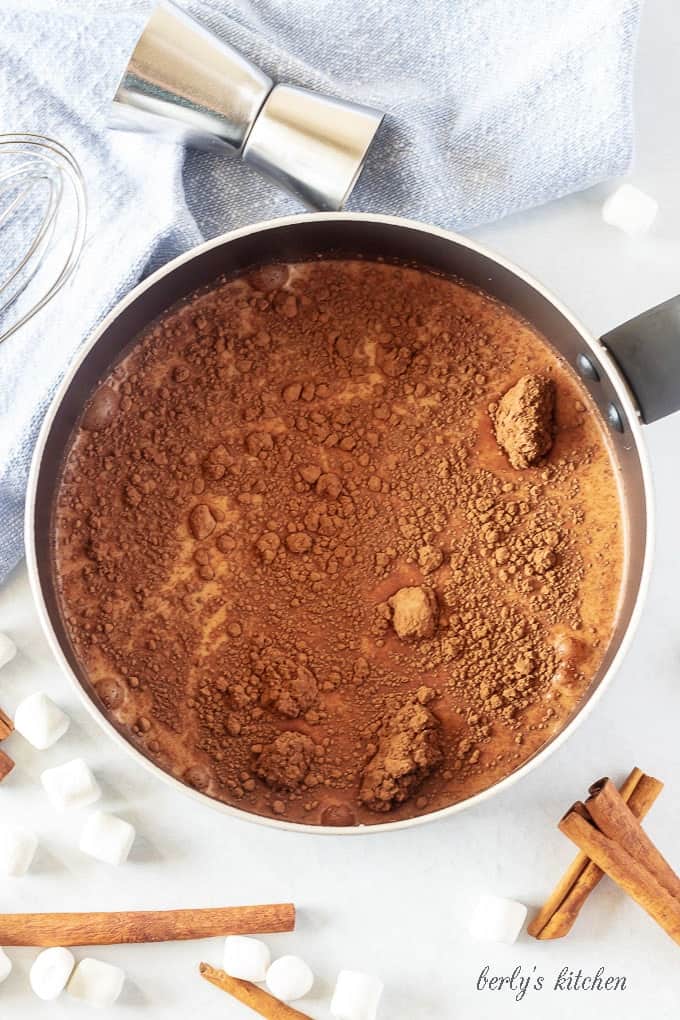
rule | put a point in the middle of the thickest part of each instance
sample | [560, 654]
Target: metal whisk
[43, 213]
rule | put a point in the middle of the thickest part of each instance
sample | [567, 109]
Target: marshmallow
[289, 978]
[497, 920]
[17, 849]
[7, 650]
[96, 982]
[246, 958]
[630, 209]
[70, 785]
[107, 838]
[356, 996]
[5, 965]
[40, 721]
[50, 972]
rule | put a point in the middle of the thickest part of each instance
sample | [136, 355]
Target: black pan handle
[647, 351]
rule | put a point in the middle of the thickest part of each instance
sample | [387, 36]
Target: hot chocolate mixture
[339, 542]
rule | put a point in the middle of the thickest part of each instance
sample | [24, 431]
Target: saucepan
[632, 375]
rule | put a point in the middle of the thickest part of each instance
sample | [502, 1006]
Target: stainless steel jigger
[185, 84]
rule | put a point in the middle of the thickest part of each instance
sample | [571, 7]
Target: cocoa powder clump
[290, 687]
[267, 545]
[429, 558]
[524, 420]
[285, 762]
[414, 612]
[201, 521]
[409, 748]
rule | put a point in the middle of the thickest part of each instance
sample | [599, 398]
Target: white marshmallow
[356, 996]
[17, 849]
[5, 966]
[289, 978]
[40, 721]
[7, 649]
[50, 972]
[96, 982]
[246, 958]
[630, 209]
[107, 838]
[70, 785]
[497, 920]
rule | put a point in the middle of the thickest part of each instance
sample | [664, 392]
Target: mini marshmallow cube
[97, 983]
[7, 650]
[107, 838]
[289, 978]
[246, 958]
[50, 972]
[40, 721]
[630, 209]
[5, 966]
[497, 920]
[70, 785]
[356, 996]
[17, 849]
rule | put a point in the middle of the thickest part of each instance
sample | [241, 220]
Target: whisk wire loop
[35, 164]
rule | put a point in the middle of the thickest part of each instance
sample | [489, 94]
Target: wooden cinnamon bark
[624, 869]
[6, 725]
[556, 917]
[258, 1000]
[6, 765]
[102, 929]
[613, 818]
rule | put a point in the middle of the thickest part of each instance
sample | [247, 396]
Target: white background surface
[397, 904]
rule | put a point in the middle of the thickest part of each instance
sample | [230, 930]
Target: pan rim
[622, 391]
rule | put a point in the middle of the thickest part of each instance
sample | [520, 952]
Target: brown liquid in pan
[252, 488]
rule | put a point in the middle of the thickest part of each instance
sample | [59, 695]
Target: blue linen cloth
[493, 106]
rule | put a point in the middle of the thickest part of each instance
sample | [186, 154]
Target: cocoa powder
[524, 420]
[409, 748]
[297, 568]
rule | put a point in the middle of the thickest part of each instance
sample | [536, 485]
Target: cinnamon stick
[624, 869]
[6, 725]
[613, 817]
[103, 929]
[556, 917]
[6, 765]
[258, 1000]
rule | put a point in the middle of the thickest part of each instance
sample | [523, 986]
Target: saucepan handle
[647, 351]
